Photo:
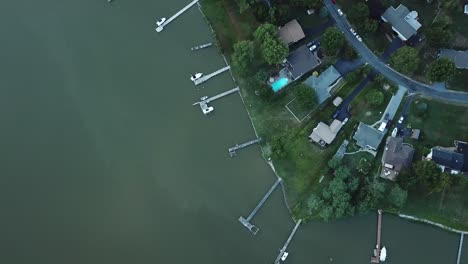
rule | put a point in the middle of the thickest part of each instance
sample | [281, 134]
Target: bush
[375, 97]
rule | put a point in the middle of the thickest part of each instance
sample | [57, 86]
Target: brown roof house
[397, 156]
[291, 32]
[325, 134]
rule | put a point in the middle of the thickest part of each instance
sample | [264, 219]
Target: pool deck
[283, 73]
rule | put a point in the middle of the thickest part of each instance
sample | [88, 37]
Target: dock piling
[205, 78]
[232, 151]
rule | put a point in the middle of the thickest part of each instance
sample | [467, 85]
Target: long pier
[285, 246]
[246, 221]
[202, 46]
[209, 76]
[376, 257]
[460, 247]
[232, 151]
[161, 27]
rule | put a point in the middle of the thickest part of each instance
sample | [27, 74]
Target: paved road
[380, 66]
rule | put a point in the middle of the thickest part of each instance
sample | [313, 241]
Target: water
[105, 160]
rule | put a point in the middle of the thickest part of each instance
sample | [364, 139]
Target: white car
[352, 31]
[340, 12]
[313, 47]
[401, 120]
[359, 38]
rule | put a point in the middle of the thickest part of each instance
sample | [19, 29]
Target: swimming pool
[280, 83]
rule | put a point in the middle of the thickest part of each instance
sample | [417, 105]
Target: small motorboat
[161, 21]
[207, 110]
[196, 76]
[204, 98]
[285, 255]
[383, 254]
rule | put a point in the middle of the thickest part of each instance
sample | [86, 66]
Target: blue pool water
[280, 83]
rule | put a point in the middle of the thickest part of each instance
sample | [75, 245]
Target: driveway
[379, 65]
[318, 30]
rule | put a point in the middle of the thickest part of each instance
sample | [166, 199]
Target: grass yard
[460, 22]
[298, 111]
[459, 82]
[426, 12]
[366, 113]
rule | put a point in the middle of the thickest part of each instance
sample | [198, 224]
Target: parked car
[313, 47]
[352, 31]
[340, 12]
[345, 121]
[359, 38]
[401, 120]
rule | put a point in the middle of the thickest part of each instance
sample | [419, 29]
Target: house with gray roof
[397, 156]
[301, 61]
[404, 22]
[459, 57]
[453, 160]
[291, 32]
[368, 137]
[323, 83]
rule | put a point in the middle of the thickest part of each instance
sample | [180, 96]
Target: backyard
[365, 112]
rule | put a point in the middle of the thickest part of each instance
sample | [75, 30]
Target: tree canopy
[306, 97]
[332, 41]
[375, 97]
[439, 35]
[429, 174]
[264, 31]
[397, 197]
[405, 60]
[441, 70]
[243, 55]
[358, 14]
[273, 50]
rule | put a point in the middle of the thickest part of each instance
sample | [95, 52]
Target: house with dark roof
[324, 83]
[453, 160]
[301, 61]
[459, 57]
[291, 32]
[368, 137]
[397, 156]
[404, 22]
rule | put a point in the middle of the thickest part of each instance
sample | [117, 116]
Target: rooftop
[323, 83]
[404, 22]
[368, 137]
[447, 158]
[326, 133]
[301, 61]
[396, 156]
[460, 58]
[291, 32]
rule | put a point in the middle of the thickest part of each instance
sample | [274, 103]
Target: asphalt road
[380, 66]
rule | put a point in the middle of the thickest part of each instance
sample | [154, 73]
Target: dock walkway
[161, 27]
[209, 76]
[202, 46]
[376, 257]
[285, 246]
[246, 221]
[232, 151]
[460, 247]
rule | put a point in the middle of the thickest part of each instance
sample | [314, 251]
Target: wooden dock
[202, 46]
[246, 221]
[460, 247]
[161, 27]
[232, 151]
[376, 257]
[205, 78]
[285, 246]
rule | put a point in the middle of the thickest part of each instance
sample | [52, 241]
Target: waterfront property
[324, 83]
[324, 134]
[368, 137]
[396, 156]
[291, 32]
[453, 160]
[404, 22]
[459, 57]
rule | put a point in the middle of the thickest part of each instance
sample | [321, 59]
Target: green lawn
[366, 113]
[460, 22]
[459, 82]
[426, 12]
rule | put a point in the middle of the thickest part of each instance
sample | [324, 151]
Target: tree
[243, 55]
[441, 70]
[306, 97]
[264, 91]
[334, 163]
[397, 196]
[244, 5]
[405, 60]
[449, 4]
[364, 166]
[278, 147]
[332, 41]
[307, 3]
[274, 51]
[348, 52]
[430, 175]
[264, 31]
[375, 97]
[439, 35]
[359, 14]
[371, 25]
[342, 172]
[370, 195]
[407, 178]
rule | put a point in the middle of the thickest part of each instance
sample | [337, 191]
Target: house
[460, 58]
[466, 9]
[453, 160]
[325, 134]
[323, 83]
[396, 157]
[404, 22]
[291, 32]
[368, 137]
[301, 61]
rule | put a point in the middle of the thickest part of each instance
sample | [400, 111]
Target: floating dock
[232, 151]
[376, 257]
[285, 246]
[205, 78]
[161, 27]
[246, 221]
[204, 103]
[460, 246]
[202, 46]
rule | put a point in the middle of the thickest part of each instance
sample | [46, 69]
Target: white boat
[207, 110]
[196, 76]
[383, 254]
[285, 255]
[204, 98]
[161, 21]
